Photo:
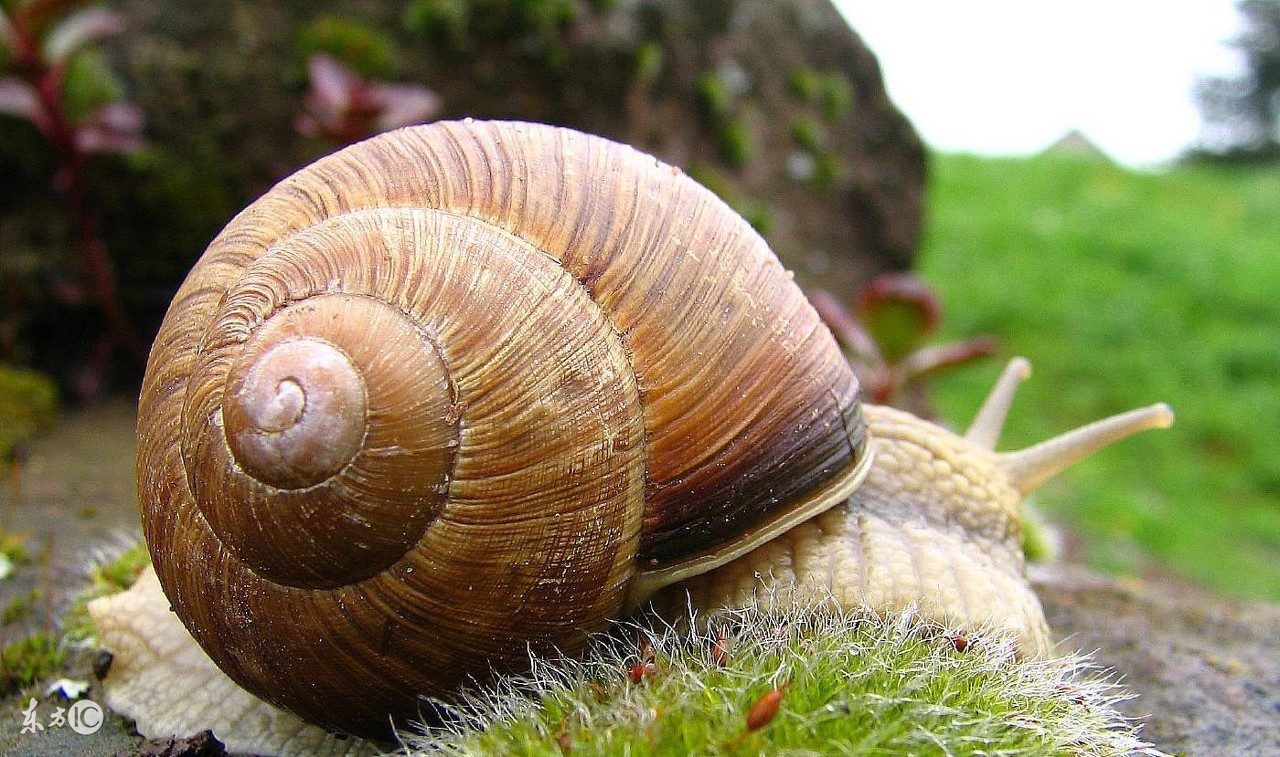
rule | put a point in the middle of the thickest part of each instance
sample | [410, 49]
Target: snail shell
[466, 390]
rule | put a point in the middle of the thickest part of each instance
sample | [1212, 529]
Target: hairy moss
[749, 683]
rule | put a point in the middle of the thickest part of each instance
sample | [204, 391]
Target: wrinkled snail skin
[930, 529]
[468, 390]
[935, 528]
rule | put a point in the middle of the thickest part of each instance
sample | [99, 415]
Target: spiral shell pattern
[431, 401]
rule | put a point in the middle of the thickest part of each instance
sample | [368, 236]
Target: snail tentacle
[1029, 468]
[988, 424]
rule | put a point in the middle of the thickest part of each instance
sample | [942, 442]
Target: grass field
[1125, 288]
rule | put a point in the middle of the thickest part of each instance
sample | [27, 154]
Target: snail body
[468, 390]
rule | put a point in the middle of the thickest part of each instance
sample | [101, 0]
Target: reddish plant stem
[46, 80]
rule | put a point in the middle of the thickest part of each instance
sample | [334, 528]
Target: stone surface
[224, 79]
[1206, 671]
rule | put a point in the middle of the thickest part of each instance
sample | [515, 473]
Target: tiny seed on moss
[720, 652]
[641, 671]
[765, 708]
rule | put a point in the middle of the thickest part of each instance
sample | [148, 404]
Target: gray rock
[1206, 671]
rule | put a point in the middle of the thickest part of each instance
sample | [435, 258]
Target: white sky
[1011, 76]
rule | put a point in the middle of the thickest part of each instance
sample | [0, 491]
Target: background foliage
[1124, 288]
[1241, 113]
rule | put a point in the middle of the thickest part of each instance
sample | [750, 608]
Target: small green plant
[117, 574]
[808, 134]
[28, 660]
[835, 96]
[718, 101]
[736, 143]
[363, 49]
[826, 170]
[804, 680]
[20, 608]
[112, 572]
[649, 61]
[533, 29]
[714, 97]
[885, 335]
[28, 406]
[803, 84]
[758, 214]
[829, 90]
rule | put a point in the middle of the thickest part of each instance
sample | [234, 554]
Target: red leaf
[116, 127]
[403, 104]
[899, 310]
[17, 98]
[332, 85]
[79, 29]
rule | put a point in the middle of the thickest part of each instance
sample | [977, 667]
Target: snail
[472, 389]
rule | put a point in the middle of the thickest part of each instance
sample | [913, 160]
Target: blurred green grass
[1125, 288]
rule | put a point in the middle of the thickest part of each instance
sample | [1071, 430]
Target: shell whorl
[536, 360]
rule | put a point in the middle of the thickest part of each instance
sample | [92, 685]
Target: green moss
[109, 575]
[803, 83]
[736, 143]
[847, 685]
[441, 22]
[28, 660]
[808, 134]
[28, 406]
[19, 608]
[649, 60]
[119, 574]
[364, 49]
[714, 97]
[835, 96]
[826, 170]
[536, 26]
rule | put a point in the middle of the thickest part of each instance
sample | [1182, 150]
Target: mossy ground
[845, 685]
